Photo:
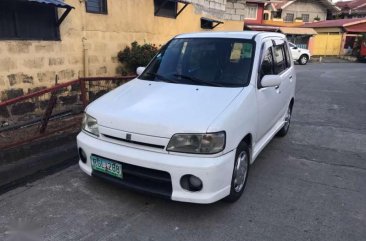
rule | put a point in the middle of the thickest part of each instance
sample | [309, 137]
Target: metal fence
[52, 110]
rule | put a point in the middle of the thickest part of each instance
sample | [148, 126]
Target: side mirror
[270, 81]
[295, 47]
[139, 70]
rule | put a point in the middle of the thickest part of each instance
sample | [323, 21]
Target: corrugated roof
[56, 3]
[357, 28]
[351, 4]
[298, 31]
[335, 23]
[285, 3]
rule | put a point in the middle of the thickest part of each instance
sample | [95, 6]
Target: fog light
[191, 183]
[82, 155]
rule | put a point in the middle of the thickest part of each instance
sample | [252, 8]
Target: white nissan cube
[194, 120]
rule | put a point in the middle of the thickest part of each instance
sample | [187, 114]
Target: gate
[327, 44]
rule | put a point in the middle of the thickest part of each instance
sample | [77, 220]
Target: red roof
[335, 23]
[357, 28]
[351, 4]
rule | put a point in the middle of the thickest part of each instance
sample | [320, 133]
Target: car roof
[239, 34]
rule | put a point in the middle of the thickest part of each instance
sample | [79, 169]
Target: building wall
[313, 8]
[90, 42]
[259, 19]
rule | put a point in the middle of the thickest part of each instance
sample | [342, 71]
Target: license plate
[106, 166]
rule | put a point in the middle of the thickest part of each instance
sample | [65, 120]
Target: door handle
[277, 87]
[290, 77]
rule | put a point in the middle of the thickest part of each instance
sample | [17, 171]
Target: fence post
[48, 112]
[83, 91]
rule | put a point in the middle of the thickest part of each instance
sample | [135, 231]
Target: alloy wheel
[287, 118]
[240, 172]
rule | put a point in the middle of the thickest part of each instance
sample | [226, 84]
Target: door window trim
[272, 42]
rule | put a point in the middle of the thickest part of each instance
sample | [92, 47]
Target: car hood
[161, 109]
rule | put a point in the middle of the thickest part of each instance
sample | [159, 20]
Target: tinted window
[279, 59]
[28, 21]
[227, 62]
[267, 63]
[96, 6]
[288, 56]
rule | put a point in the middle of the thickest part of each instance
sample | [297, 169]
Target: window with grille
[305, 17]
[28, 21]
[251, 11]
[289, 17]
[96, 6]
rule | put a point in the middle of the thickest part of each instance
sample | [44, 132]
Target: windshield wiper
[161, 77]
[193, 79]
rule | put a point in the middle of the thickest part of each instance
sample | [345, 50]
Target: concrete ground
[310, 185]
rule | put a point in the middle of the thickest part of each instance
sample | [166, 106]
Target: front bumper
[215, 172]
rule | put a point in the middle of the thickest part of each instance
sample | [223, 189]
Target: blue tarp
[56, 3]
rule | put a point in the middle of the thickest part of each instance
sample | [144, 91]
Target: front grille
[134, 142]
[141, 179]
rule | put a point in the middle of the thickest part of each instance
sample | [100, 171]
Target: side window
[292, 45]
[267, 62]
[288, 57]
[279, 59]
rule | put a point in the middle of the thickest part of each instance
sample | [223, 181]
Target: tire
[286, 126]
[303, 59]
[240, 172]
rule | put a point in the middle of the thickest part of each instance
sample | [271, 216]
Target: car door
[295, 51]
[283, 67]
[269, 98]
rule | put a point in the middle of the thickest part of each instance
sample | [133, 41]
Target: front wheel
[303, 59]
[240, 172]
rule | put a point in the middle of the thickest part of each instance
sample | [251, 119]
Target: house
[352, 9]
[336, 37]
[40, 39]
[303, 10]
[253, 12]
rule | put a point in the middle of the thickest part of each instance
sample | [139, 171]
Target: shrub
[317, 18]
[136, 56]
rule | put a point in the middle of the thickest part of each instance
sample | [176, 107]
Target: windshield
[203, 61]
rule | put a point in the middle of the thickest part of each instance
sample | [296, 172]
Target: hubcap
[288, 118]
[303, 60]
[240, 172]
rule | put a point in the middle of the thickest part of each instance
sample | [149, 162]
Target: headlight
[90, 125]
[209, 143]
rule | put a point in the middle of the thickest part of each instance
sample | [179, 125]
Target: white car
[302, 56]
[189, 126]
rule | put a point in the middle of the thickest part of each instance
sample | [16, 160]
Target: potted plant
[298, 20]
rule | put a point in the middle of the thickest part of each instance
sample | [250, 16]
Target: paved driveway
[310, 185]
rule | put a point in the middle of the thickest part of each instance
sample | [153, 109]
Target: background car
[302, 56]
